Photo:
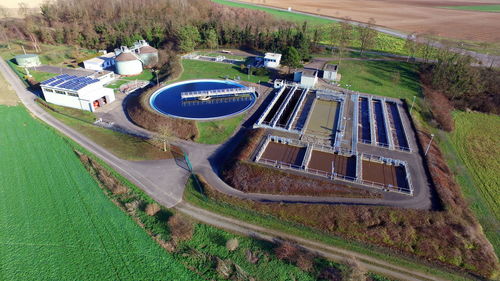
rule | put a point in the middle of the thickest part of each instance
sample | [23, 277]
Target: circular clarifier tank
[168, 101]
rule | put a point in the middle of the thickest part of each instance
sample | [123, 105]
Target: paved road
[148, 175]
[485, 59]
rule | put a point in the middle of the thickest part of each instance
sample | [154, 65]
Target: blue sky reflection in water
[168, 100]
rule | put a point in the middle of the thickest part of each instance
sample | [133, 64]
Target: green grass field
[380, 78]
[194, 69]
[215, 132]
[121, 145]
[55, 221]
[479, 8]
[472, 150]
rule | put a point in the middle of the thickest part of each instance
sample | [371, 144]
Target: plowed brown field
[422, 16]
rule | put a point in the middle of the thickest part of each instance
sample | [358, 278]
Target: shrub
[441, 109]
[152, 209]
[181, 228]
[232, 244]
[354, 271]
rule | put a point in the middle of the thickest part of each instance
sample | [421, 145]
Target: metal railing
[217, 93]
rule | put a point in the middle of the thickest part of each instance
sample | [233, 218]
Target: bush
[152, 209]
[441, 109]
[232, 244]
[181, 228]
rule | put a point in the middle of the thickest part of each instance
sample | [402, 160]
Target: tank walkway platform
[219, 93]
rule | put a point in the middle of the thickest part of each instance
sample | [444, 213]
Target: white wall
[330, 75]
[308, 82]
[66, 100]
[86, 98]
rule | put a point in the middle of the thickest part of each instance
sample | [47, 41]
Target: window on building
[72, 94]
[60, 92]
[49, 90]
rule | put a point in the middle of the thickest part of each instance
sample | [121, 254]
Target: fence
[334, 176]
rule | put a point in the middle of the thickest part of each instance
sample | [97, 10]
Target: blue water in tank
[167, 100]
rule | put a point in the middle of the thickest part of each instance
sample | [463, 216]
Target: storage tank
[148, 55]
[127, 63]
[28, 60]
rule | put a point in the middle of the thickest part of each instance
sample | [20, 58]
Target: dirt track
[422, 16]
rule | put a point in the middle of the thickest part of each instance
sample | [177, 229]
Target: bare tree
[411, 45]
[4, 12]
[23, 9]
[367, 35]
[345, 36]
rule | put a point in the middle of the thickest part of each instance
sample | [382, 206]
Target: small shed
[307, 78]
[272, 60]
[28, 60]
[330, 72]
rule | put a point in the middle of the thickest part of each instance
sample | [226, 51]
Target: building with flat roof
[272, 60]
[307, 78]
[85, 93]
[101, 62]
[330, 72]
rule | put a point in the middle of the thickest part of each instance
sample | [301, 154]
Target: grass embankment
[395, 79]
[206, 197]
[7, 94]
[478, 8]
[121, 145]
[194, 69]
[215, 132]
[56, 223]
[472, 150]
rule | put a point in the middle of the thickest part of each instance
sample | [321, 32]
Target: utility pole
[412, 103]
[429, 145]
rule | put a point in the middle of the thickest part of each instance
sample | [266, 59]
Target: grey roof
[331, 67]
[310, 73]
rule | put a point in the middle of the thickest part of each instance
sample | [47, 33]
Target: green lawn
[215, 132]
[194, 69]
[380, 78]
[55, 221]
[472, 150]
[479, 8]
[115, 84]
[122, 145]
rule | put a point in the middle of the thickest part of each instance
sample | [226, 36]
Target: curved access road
[164, 185]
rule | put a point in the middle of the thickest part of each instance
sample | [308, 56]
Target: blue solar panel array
[69, 82]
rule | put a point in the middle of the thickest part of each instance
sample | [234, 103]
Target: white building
[272, 60]
[307, 78]
[330, 72]
[101, 62]
[84, 93]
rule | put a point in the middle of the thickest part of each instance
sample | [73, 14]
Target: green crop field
[479, 8]
[472, 151]
[381, 78]
[55, 221]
